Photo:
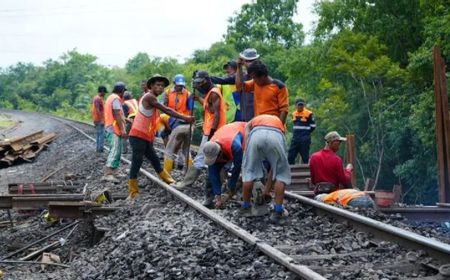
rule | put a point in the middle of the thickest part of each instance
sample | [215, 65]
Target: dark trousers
[297, 147]
[140, 149]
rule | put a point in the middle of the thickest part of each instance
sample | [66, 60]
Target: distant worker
[347, 197]
[98, 116]
[229, 92]
[303, 124]
[130, 107]
[225, 147]
[144, 87]
[326, 167]
[247, 56]
[142, 132]
[215, 118]
[265, 142]
[270, 95]
[115, 130]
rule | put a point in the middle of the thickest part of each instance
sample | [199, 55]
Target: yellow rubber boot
[166, 177]
[190, 162]
[168, 165]
[133, 190]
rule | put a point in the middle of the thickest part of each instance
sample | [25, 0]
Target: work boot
[133, 190]
[168, 165]
[190, 162]
[166, 177]
[209, 196]
[278, 217]
[245, 212]
[190, 177]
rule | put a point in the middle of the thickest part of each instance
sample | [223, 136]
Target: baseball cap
[102, 89]
[231, 63]
[119, 87]
[158, 77]
[334, 136]
[249, 54]
[200, 76]
[179, 80]
[211, 150]
[300, 101]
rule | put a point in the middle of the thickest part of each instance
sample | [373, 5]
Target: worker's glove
[211, 133]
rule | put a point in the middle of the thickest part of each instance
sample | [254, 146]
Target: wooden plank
[350, 155]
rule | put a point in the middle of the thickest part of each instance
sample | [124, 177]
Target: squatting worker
[303, 124]
[98, 117]
[143, 129]
[215, 118]
[270, 95]
[347, 197]
[265, 142]
[225, 147]
[326, 167]
[115, 129]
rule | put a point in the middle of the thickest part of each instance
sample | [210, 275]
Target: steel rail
[278, 256]
[437, 249]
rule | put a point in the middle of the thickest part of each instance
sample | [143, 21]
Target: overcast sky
[116, 30]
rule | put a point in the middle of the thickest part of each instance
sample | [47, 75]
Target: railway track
[338, 245]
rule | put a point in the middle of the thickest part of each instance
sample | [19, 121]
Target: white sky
[116, 30]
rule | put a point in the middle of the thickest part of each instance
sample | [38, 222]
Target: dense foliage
[367, 71]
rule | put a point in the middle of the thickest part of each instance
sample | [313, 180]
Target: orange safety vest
[132, 107]
[109, 115]
[145, 127]
[178, 101]
[225, 136]
[303, 115]
[209, 115]
[343, 196]
[98, 117]
[268, 120]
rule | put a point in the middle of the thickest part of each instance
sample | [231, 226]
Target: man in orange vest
[98, 116]
[215, 118]
[143, 130]
[130, 107]
[115, 130]
[303, 124]
[225, 147]
[347, 197]
[265, 142]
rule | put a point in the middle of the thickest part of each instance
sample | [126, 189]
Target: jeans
[140, 149]
[99, 136]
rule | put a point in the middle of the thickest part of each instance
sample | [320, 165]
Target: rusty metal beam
[350, 155]
[76, 210]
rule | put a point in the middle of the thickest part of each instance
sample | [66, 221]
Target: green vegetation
[367, 71]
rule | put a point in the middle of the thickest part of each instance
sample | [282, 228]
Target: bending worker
[327, 171]
[143, 129]
[265, 141]
[226, 146]
[347, 197]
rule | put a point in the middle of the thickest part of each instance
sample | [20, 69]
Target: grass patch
[5, 121]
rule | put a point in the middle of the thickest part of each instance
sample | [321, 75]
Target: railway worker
[229, 92]
[347, 197]
[115, 130]
[303, 125]
[247, 56]
[326, 167]
[215, 118]
[270, 95]
[265, 142]
[144, 87]
[129, 107]
[98, 117]
[225, 147]
[142, 132]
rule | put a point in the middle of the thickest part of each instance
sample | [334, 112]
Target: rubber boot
[191, 176]
[133, 190]
[168, 165]
[209, 196]
[166, 177]
[190, 162]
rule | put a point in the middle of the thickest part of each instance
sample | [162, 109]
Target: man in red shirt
[326, 167]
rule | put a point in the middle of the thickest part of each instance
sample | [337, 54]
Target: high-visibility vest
[343, 196]
[225, 137]
[98, 117]
[178, 101]
[209, 116]
[268, 120]
[109, 115]
[145, 127]
[132, 107]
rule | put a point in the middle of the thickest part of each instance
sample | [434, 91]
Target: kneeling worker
[347, 197]
[142, 132]
[225, 146]
[265, 142]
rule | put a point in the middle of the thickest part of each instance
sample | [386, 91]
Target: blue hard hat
[179, 80]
